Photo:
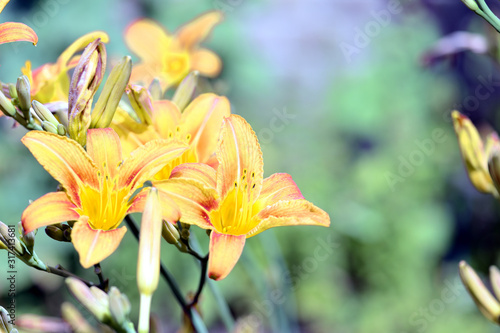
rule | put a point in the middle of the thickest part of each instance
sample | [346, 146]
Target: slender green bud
[8, 238]
[27, 239]
[56, 233]
[116, 306]
[86, 79]
[49, 127]
[155, 90]
[6, 106]
[11, 89]
[74, 318]
[23, 89]
[61, 130]
[84, 295]
[108, 101]
[44, 113]
[471, 4]
[185, 91]
[170, 233]
[140, 100]
[495, 280]
[5, 326]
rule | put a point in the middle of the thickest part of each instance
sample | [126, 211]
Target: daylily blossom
[198, 126]
[235, 202]
[170, 57]
[475, 153]
[14, 31]
[98, 187]
[50, 82]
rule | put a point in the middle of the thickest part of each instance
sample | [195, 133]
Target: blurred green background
[367, 137]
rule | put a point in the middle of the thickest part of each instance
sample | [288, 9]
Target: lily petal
[193, 199]
[202, 119]
[225, 250]
[196, 171]
[170, 211]
[52, 208]
[206, 62]
[279, 186]
[198, 29]
[240, 158]
[166, 116]
[3, 3]
[103, 146]
[147, 39]
[16, 32]
[64, 159]
[289, 213]
[147, 160]
[93, 245]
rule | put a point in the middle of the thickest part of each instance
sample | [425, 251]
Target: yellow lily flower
[198, 126]
[474, 153]
[235, 202]
[14, 31]
[170, 57]
[50, 82]
[98, 187]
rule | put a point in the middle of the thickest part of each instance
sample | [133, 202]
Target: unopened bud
[155, 90]
[185, 90]
[494, 166]
[6, 106]
[140, 100]
[87, 298]
[61, 130]
[44, 113]
[27, 239]
[23, 89]
[49, 127]
[56, 233]
[36, 323]
[170, 233]
[116, 306]
[106, 105]
[9, 239]
[495, 280]
[471, 4]
[5, 321]
[86, 79]
[11, 91]
[488, 305]
[74, 318]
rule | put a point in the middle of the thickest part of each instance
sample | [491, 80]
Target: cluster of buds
[60, 231]
[21, 246]
[488, 304]
[111, 309]
[482, 9]
[482, 160]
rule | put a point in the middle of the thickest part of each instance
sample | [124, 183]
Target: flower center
[236, 213]
[106, 207]
[176, 66]
[189, 156]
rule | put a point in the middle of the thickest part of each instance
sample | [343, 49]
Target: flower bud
[185, 90]
[57, 233]
[27, 239]
[495, 280]
[471, 4]
[9, 239]
[35, 323]
[473, 153]
[6, 106]
[49, 127]
[148, 263]
[5, 325]
[74, 318]
[106, 105]
[486, 303]
[155, 90]
[170, 233]
[86, 79]
[117, 308]
[88, 299]
[10, 92]
[44, 113]
[140, 99]
[23, 90]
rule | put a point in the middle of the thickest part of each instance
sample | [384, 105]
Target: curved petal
[64, 159]
[170, 211]
[201, 172]
[63, 62]
[206, 62]
[279, 186]
[197, 30]
[17, 32]
[147, 39]
[240, 158]
[103, 146]
[192, 198]
[225, 250]
[3, 3]
[166, 118]
[147, 160]
[202, 119]
[93, 245]
[52, 208]
[289, 213]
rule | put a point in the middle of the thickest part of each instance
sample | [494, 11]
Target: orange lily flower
[98, 187]
[197, 126]
[171, 57]
[14, 31]
[235, 202]
[50, 82]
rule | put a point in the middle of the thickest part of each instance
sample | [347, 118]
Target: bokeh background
[361, 94]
